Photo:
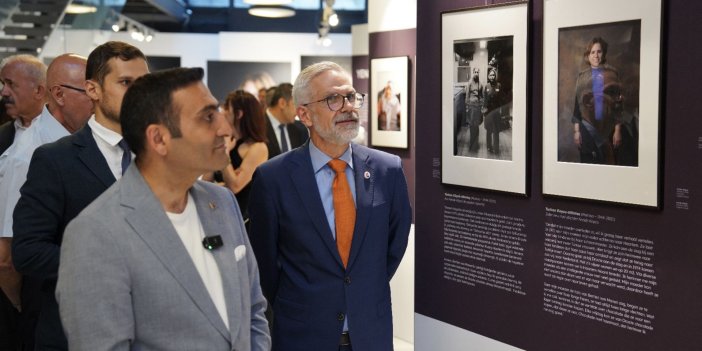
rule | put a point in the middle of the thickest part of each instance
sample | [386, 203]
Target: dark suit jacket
[7, 135]
[298, 135]
[301, 271]
[64, 177]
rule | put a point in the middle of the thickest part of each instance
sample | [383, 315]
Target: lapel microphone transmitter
[212, 242]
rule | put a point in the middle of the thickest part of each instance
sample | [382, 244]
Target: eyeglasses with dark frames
[336, 102]
[72, 88]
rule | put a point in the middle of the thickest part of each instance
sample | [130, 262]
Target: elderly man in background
[23, 79]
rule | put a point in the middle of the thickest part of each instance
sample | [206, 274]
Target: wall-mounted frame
[389, 102]
[601, 100]
[484, 120]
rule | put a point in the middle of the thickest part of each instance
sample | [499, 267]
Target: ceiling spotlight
[149, 37]
[78, 8]
[271, 11]
[326, 41]
[334, 20]
[115, 27]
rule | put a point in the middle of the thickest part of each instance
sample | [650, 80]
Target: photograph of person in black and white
[482, 96]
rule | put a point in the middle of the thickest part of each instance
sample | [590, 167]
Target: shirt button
[340, 317]
[347, 280]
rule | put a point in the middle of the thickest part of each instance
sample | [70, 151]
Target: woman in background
[247, 147]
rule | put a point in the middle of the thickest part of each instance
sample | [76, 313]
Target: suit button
[340, 316]
[347, 280]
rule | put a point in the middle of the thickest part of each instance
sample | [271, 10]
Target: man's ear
[40, 92]
[304, 115]
[57, 95]
[92, 89]
[157, 139]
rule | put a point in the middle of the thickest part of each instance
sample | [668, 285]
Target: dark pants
[492, 132]
[474, 118]
[9, 319]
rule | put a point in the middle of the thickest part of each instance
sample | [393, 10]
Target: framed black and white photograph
[601, 100]
[389, 102]
[484, 82]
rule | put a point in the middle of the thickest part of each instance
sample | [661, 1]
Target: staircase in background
[25, 25]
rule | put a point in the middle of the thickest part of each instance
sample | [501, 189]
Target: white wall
[196, 49]
[359, 36]
[387, 15]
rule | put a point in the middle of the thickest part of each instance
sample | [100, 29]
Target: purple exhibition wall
[546, 295]
[391, 44]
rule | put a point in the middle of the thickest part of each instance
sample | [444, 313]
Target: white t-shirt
[190, 231]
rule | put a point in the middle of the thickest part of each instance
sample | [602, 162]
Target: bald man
[58, 94]
[67, 100]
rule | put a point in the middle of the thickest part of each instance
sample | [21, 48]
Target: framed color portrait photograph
[389, 102]
[601, 100]
[483, 93]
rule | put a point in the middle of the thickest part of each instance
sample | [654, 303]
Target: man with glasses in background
[329, 225]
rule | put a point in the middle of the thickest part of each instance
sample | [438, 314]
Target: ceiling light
[115, 27]
[271, 11]
[78, 8]
[267, 2]
[334, 20]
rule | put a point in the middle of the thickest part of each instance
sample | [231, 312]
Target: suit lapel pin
[366, 175]
[212, 205]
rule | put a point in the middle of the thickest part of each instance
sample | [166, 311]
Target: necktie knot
[123, 145]
[337, 165]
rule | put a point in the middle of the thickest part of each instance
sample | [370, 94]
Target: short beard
[336, 135]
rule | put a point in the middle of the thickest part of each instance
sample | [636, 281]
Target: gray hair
[31, 65]
[301, 91]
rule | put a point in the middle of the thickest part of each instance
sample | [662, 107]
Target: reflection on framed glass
[601, 100]
[389, 102]
[483, 82]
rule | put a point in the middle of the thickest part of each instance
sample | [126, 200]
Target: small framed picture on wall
[389, 95]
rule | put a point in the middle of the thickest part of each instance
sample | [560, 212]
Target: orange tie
[344, 210]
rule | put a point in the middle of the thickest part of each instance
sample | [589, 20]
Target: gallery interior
[553, 191]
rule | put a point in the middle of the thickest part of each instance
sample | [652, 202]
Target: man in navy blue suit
[323, 296]
[66, 176]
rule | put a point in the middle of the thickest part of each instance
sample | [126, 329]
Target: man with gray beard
[329, 225]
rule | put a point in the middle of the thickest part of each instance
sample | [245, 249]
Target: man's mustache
[347, 116]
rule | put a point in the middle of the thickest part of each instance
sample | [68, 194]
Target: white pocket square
[239, 252]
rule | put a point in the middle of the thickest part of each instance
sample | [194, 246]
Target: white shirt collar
[109, 136]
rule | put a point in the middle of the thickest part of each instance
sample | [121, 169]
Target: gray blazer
[127, 282]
